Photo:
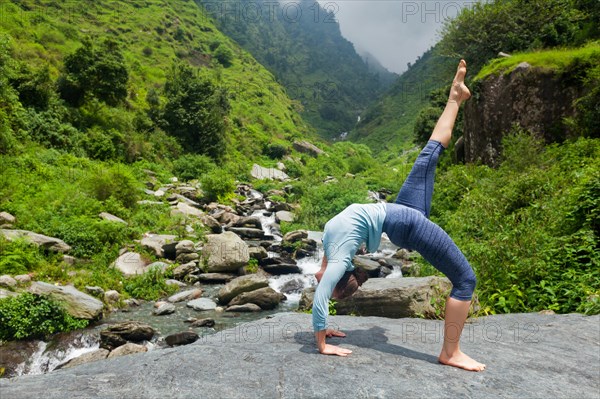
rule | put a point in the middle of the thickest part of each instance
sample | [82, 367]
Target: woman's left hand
[334, 333]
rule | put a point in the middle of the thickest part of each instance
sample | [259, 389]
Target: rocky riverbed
[527, 355]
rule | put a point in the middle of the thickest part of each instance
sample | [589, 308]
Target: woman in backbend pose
[407, 224]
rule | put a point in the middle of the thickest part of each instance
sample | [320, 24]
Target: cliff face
[536, 99]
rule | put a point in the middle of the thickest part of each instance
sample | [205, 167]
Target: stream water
[49, 355]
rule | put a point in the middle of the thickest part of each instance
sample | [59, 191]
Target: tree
[99, 71]
[195, 111]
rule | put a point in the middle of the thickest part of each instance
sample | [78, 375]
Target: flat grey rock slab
[527, 355]
[202, 304]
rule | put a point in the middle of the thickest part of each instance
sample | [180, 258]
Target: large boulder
[266, 298]
[225, 252]
[241, 284]
[390, 297]
[76, 303]
[130, 264]
[247, 232]
[49, 243]
[127, 331]
[528, 356]
[111, 218]
[259, 172]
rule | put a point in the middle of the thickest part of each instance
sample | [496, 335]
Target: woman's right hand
[335, 350]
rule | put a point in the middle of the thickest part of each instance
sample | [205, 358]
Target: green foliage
[321, 202]
[252, 266]
[331, 307]
[31, 316]
[276, 151]
[479, 32]
[190, 166]
[19, 257]
[114, 181]
[224, 55]
[195, 111]
[149, 286]
[217, 185]
[99, 71]
[531, 228]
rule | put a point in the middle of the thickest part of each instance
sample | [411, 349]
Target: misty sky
[393, 31]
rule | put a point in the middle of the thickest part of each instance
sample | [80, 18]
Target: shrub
[217, 185]
[99, 71]
[116, 181]
[191, 166]
[149, 286]
[276, 151]
[31, 316]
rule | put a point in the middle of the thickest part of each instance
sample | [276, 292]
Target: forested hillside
[301, 43]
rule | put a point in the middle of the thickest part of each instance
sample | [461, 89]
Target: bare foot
[461, 361]
[459, 91]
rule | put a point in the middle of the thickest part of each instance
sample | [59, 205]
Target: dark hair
[349, 283]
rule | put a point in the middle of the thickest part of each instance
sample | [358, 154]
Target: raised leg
[417, 190]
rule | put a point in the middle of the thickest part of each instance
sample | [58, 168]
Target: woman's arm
[328, 277]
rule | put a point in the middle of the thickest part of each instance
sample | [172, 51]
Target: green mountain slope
[301, 43]
[151, 37]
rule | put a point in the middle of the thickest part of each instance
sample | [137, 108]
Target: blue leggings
[408, 226]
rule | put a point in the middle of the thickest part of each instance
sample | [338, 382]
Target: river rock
[76, 303]
[127, 349]
[260, 172]
[267, 298]
[292, 286]
[185, 247]
[247, 232]
[95, 291]
[112, 296]
[176, 282]
[164, 309]
[365, 263]
[202, 323]
[5, 293]
[23, 278]
[187, 257]
[201, 304]
[7, 218]
[249, 221]
[247, 307]
[395, 298]
[128, 331]
[258, 252]
[185, 295]
[228, 218]
[215, 278]
[241, 284]
[49, 243]
[396, 357]
[183, 270]
[111, 218]
[188, 210]
[225, 252]
[93, 356]
[284, 216]
[155, 243]
[307, 148]
[212, 223]
[294, 236]
[130, 264]
[7, 281]
[15, 353]
[182, 338]
[282, 268]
